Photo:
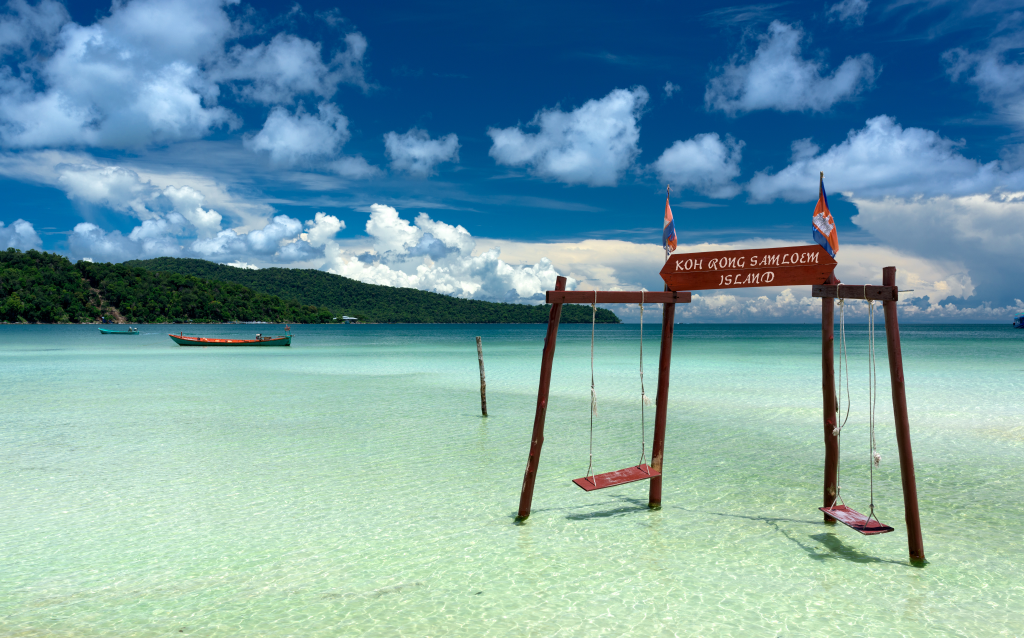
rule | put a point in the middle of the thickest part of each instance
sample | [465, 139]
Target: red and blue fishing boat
[260, 340]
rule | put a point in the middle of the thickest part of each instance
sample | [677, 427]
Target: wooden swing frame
[887, 293]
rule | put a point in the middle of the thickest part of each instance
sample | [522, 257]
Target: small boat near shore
[260, 340]
[129, 331]
[1018, 321]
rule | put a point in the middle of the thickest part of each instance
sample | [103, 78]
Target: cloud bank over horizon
[217, 130]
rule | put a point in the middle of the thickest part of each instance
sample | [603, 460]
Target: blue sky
[478, 149]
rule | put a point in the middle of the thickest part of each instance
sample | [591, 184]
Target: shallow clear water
[348, 486]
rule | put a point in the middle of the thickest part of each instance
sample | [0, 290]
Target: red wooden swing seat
[640, 472]
[855, 520]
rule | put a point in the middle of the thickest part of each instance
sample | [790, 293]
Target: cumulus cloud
[848, 10]
[778, 78]
[670, 88]
[89, 241]
[151, 72]
[594, 144]
[302, 137]
[123, 190]
[623, 265]
[885, 160]
[431, 255]
[322, 229]
[274, 73]
[415, 153]
[984, 232]
[707, 164]
[130, 79]
[172, 235]
[26, 23]
[188, 202]
[1000, 81]
[20, 234]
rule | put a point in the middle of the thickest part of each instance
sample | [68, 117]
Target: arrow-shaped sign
[788, 266]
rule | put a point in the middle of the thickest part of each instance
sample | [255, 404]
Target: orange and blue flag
[823, 227]
[668, 233]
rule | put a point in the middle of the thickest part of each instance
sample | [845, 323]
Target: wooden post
[828, 396]
[661, 409]
[899, 409]
[483, 381]
[537, 440]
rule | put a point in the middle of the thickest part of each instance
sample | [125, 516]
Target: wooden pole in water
[483, 381]
[668, 318]
[899, 409]
[537, 440]
[828, 396]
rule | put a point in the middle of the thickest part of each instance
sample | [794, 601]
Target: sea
[349, 486]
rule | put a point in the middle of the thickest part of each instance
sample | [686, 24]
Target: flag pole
[668, 194]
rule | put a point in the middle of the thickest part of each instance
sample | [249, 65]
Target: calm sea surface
[347, 486]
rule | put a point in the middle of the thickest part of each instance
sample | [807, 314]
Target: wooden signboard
[788, 266]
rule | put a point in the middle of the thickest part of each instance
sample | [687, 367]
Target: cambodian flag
[668, 234]
[823, 227]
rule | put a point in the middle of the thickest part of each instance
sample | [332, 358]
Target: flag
[668, 234]
[823, 227]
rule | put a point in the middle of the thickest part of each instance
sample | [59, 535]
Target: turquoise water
[347, 486]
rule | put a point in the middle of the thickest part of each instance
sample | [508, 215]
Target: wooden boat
[129, 331]
[1018, 321]
[260, 340]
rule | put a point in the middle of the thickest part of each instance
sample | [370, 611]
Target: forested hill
[369, 302]
[38, 287]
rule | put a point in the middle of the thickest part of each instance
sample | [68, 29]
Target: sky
[482, 149]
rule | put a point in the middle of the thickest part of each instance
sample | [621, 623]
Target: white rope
[644, 399]
[593, 391]
[875, 457]
[838, 429]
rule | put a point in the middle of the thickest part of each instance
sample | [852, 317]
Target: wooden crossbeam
[843, 291]
[616, 296]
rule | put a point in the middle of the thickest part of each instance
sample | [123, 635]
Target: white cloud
[188, 202]
[670, 88]
[268, 239]
[984, 232]
[89, 241]
[27, 23]
[885, 160]
[706, 164]
[303, 137]
[353, 167]
[778, 78]
[432, 255]
[1000, 81]
[852, 10]
[20, 234]
[390, 232]
[131, 79]
[322, 229]
[415, 153]
[111, 186]
[148, 73]
[274, 73]
[137, 190]
[622, 265]
[347, 65]
[594, 144]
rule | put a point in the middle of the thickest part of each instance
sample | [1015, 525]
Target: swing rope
[593, 391]
[838, 430]
[644, 399]
[875, 457]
